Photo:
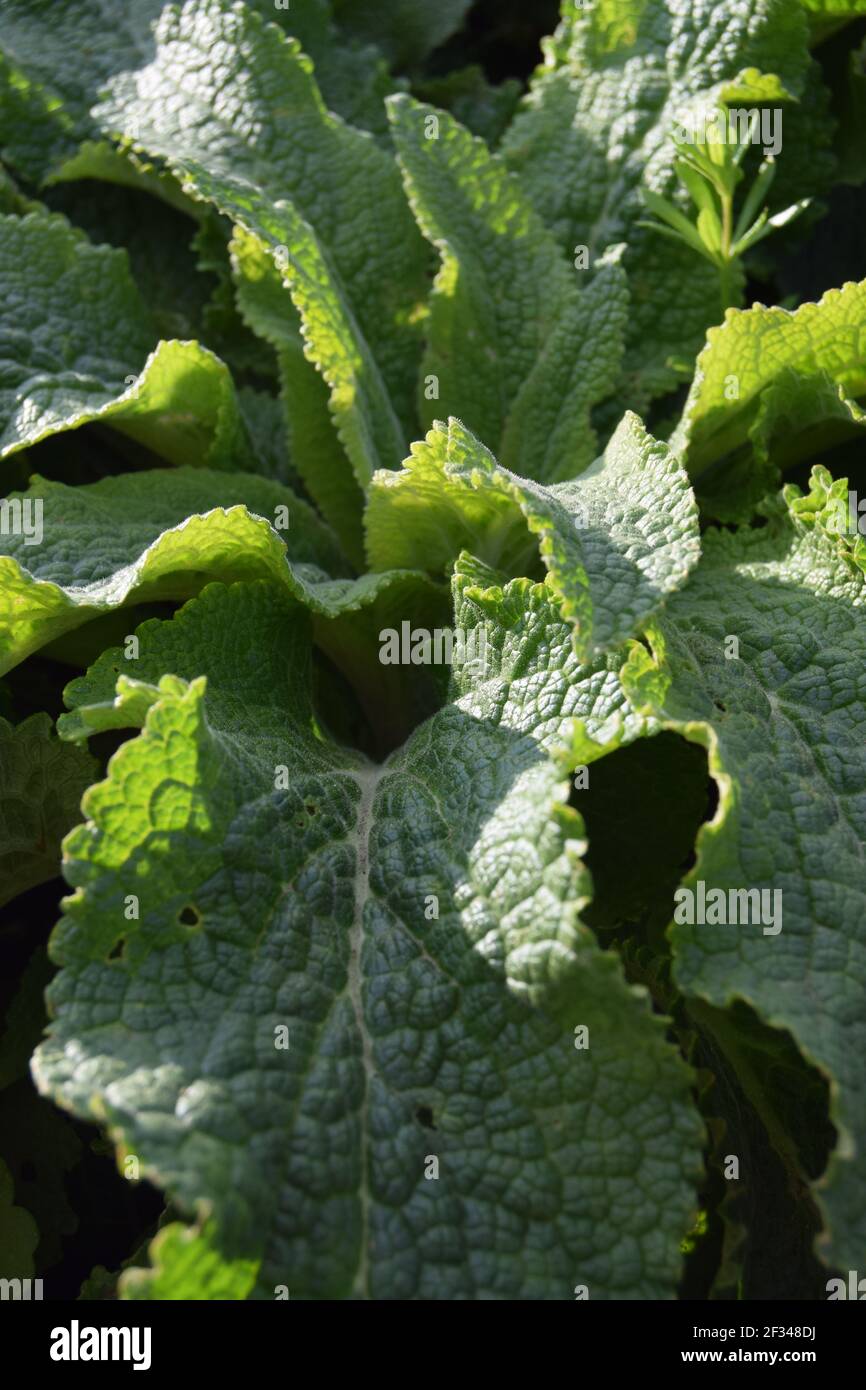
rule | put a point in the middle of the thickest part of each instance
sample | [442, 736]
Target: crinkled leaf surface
[355, 261]
[157, 238]
[771, 387]
[514, 348]
[145, 537]
[42, 782]
[351, 74]
[266, 426]
[78, 346]
[596, 128]
[411, 1038]
[783, 723]
[53, 61]
[830, 506]
[56, 59]
[481, 106]
[615, 541]
[317, 452]
[549, 434]
[152, 535]
[11, 197]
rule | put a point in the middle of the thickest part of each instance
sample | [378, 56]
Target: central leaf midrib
[368, 781]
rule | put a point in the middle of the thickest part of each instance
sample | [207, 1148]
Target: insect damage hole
[189, 916]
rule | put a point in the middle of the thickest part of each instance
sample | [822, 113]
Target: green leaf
[596, 131]
[772, 387]
[101, 161]
[351, 75]
[828, 11]
[513, 347]
[755, 198]
[12, 200]
[78, 346]
[615, 541]
[676, 221]
[187, 1264]
[41, 786]
[247, 356]
[143, 538]
[782, 722]
[154, 535]
[828, 505]
[55, 62]
[266, 426]
[765, 226]
[416, 1044]
[549, 433]
[157, 238]
[356, 264]
[318, 455]
[477, 104]
[404, 30]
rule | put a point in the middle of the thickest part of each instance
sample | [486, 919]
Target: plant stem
[727, 202]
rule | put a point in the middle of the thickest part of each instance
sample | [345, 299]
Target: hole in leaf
[643, 807]
[117, 950]
[189, 916]
[424, 1116]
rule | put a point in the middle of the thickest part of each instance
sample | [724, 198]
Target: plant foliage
[432, 641]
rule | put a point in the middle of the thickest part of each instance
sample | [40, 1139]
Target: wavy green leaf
[55, 61]
[514, 348]
[597, 128]
[483, 107]
[317, 453]
[78, 346]
[356, 264]
[615, 541]
[782, 718]
[772, 387]
[156, 535]
[431, 1129]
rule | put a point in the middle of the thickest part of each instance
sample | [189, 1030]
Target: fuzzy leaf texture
[597, 128]
[78, 346]
[411, 1040]
[46, 100]
[615, 541]
[355, 264]
[783, 725]
[772, 388]
[514, 348]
